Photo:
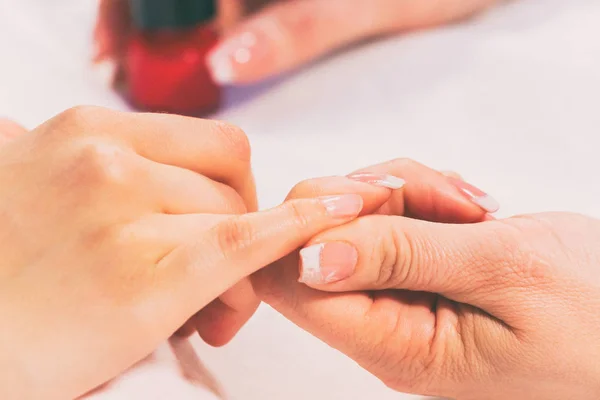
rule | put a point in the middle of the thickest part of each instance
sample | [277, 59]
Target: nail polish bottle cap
[171, 14]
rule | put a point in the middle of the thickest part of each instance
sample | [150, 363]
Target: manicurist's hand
[496, 309]
[286, 34]
[289, 33]
[115, 229]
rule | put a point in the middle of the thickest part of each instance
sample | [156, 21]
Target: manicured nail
[477, 196]
[327, 263]
[343, 206]
[230, 60]
[221, 68]
[383, 180]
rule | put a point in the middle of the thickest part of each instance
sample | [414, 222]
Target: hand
[287, 34]
[110, 239]
[218, 322]
[505, 309]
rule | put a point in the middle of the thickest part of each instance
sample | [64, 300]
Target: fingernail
[229, 61]
[221, 68]
[477, 196]
[383, 180]
[327, 263]
[344, 206]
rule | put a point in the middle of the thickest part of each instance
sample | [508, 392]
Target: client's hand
[114, 231]
[223, 158]
[502, 309]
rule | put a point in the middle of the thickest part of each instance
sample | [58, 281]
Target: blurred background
[510, 99]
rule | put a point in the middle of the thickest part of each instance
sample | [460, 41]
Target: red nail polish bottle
[166, 57]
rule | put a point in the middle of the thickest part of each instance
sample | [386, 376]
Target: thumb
[460, 262]
[239, 246]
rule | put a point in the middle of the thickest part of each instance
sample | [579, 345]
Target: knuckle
[74, 122]
[398, 261]
[79, 116]
[234, 236]
[304, 189]
[404, 163]
[297, 214]
[236, 140]
[99, 164]
[388, 272]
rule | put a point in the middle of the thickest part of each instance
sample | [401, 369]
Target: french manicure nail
[477, 196]
[383, 180]
[229, 59]
[343, 206]
[327, 263]
[221, 68]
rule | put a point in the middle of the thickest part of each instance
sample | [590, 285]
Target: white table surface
[511, 101]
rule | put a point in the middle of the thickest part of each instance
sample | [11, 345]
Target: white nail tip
[488, 203]
[392, 182]
[310, 258]
[386, 181]
[221, 69]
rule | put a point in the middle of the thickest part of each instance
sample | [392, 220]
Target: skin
[117, 228]
[125, 250]
[291, 33]
[490, 310]
[219, 321]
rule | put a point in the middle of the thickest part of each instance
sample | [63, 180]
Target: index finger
[416, 191]
[428, 194]
[208, 266]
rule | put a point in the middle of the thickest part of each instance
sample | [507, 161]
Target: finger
[159, 234]
[355, 323]
[287, 34]
[9, 130]
[221, 320]
[112, 30]
[230, 12]
[233, 249]
[459, 262]
[417, 191]
[215, 149]
[397, 335]
[374, 195]
[429, 195]
[181, 191]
